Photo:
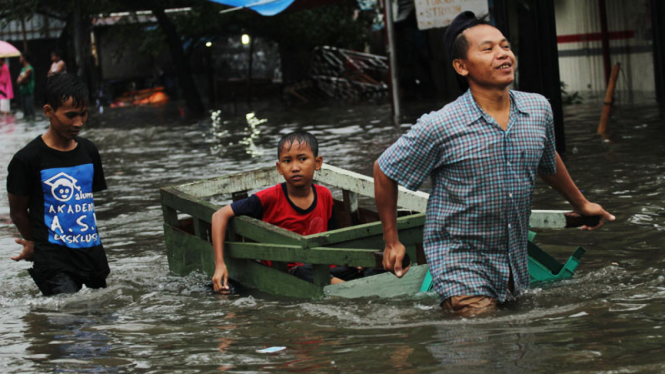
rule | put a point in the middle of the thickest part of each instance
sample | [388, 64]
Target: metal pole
[25, 38]
[249, 70]
[605, 40]
[392, 55]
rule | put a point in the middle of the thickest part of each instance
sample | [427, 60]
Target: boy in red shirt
[297, 205]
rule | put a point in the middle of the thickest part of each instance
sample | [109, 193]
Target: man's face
[54, 57]
[489, 61]
[297, 163]
[68, 120]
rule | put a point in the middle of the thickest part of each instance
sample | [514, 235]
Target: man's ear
[48, 111]
[318, 162]
[460, 67]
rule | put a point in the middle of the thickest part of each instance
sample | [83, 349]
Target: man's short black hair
[60, 87]
[57, 52]
[26, 55]
[303, 137]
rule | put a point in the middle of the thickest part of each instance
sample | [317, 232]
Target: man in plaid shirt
[482, 152]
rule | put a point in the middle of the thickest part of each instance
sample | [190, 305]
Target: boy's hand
[27, 252]
[220, 280]
[393, 255]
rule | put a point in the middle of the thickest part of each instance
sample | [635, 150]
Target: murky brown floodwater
[609, 319]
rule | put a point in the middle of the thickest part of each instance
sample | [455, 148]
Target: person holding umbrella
[6, 89]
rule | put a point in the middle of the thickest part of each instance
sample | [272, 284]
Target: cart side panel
[382, 285]
[187, 254]
[228, 184]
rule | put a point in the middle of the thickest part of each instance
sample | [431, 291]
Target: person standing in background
[58, 66]
[26, 83]
[6, 89]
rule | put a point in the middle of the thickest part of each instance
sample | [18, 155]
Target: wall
[580, 51]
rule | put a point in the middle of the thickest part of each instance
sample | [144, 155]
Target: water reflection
[65, 343]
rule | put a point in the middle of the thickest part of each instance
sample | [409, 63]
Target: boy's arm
[385, 195]
[18, 212]
[220, 221]
[564, 185]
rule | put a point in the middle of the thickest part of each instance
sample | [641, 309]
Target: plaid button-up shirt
[483, 177]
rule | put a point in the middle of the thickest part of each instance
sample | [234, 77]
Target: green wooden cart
[188, 210]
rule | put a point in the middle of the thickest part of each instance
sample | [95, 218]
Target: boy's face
[67, 120]
[297, 163]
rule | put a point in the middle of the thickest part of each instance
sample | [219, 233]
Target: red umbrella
[8, 50]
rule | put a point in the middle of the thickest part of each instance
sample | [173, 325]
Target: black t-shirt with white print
[61, 208]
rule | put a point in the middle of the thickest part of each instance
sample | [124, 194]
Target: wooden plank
[170, 215]
[276, 252]
[351, 208]
[290, 253]
[363, 231]
[266, 279]
[382, 285]
[321, 275]
[364, 185]
[407, 237]
[183, 251]
[558, 219]
[268, 176]
[263, 232]
[201, 229]
[228, 184]
[188, 204]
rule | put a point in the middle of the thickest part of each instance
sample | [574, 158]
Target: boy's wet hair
[60, 87]
[302, 137]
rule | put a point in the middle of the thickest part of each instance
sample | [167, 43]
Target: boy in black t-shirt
[50, 185]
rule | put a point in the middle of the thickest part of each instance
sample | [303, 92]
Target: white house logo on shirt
[69, 209]
[62, 186]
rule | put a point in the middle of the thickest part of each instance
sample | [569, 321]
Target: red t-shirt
[273, 206]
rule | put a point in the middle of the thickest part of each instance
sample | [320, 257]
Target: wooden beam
[362, 231]
[278, 252]
[188, 204]
[364, 185]
[229, 184]
[264, 232]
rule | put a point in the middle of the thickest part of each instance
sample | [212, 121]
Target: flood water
[609, 319]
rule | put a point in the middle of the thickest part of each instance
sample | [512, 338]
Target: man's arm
[385, 195]
[564, 185]
[18, 212]
[220, 221]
